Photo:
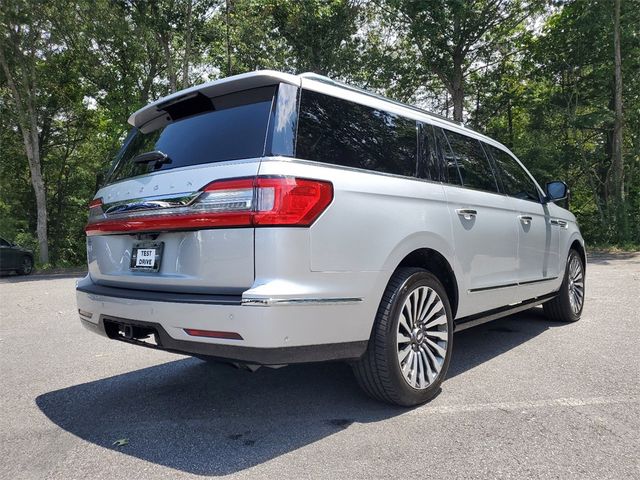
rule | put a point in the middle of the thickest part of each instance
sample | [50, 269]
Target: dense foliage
[538, 75]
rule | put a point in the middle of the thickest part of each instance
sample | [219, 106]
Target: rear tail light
[95, 207]
[244, 202]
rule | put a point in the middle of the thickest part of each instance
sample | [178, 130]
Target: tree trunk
[28, 124]
[617, 165]
[165, 40]
[228, 34]
[457, 90]
[32, 147]
[510, 122]
[187, 47]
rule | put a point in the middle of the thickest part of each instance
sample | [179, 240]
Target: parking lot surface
[524, 398]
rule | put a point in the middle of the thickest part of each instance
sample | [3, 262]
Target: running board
[484, 317]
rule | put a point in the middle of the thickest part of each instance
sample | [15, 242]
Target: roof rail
[330, 81]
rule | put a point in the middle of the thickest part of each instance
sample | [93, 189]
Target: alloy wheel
[422, 337]
[576, 284]
[27, 266]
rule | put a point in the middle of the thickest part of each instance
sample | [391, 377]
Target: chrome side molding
[269, 302]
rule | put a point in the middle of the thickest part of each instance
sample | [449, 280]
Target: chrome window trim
[343, 167]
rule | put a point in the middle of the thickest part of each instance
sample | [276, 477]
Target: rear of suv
[269, 219]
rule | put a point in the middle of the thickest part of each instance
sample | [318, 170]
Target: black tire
[560, 309]
[379, 370]
[27, 265]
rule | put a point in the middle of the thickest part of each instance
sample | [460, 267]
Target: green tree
[24, 54]
[448, 39]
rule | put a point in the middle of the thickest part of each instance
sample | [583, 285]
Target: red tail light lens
[244, 202]
[290, 201]
[95, 207]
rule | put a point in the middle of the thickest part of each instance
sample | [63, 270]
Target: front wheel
[568, 304]
[27, 266]
[410, 347]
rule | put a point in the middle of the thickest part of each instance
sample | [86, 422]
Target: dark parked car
[15, 258]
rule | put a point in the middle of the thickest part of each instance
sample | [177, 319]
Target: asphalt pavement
[524, 398]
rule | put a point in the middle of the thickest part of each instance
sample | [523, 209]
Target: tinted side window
[515, 180]
[474, 166]
[431, 163]
[332, 130]
[443, 150]
[4, 243]
[284, 121]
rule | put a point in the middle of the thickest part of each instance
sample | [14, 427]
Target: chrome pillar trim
[269, 302]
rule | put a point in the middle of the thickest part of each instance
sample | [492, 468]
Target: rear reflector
[213, 334]
[243, 202]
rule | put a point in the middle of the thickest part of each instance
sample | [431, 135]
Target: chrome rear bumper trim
[269, 302]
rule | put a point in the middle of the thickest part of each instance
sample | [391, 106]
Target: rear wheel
[410, 347]
[27, 266]
[568, 305]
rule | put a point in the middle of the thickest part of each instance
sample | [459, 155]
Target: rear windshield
[203, 130]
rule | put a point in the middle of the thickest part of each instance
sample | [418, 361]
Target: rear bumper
[272, 333]
[252, 355]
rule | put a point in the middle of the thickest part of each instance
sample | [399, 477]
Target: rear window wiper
[155, 156]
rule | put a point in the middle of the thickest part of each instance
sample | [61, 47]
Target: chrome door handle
[467, 213]
[526, 219]
[560, 223]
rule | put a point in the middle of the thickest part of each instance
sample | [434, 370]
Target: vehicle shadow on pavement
[480, 344]
[211, 419]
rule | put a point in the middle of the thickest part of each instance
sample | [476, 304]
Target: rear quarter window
[339, 132]
[228, 127]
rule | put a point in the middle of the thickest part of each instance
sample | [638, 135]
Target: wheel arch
[578, 246]
[436, 263]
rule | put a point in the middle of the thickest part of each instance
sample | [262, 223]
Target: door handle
[526, 219]
[560, 223]
[466, 213]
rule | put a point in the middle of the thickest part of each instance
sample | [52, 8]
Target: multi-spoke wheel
[410, 346]
[27, 266]
[567, 306]
[576, 284]
[422, 337]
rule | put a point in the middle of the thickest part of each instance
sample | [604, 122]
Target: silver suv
[269, 219]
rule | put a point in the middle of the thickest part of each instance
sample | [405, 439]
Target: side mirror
[557, 190]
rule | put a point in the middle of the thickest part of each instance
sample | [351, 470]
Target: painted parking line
[524, 405]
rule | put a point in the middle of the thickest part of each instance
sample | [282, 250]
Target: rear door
[154, 203]
[538, 238]
[484, 234]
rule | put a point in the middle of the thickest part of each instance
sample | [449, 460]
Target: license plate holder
[146, 256]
